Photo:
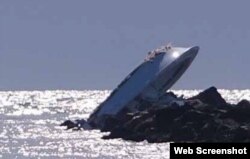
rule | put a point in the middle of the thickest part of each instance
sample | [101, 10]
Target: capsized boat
[147, 83]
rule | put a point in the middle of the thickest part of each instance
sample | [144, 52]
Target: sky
[90, 44]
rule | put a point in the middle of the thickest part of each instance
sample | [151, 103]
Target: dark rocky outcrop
[211, 96]
[203, 118]
[76, 125]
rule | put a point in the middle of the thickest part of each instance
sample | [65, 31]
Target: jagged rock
[245, 104]
[239, 114]
[211, 96]
[76, 125]
[204, 118]
[69, 124]
[110, 123]
[164, 118]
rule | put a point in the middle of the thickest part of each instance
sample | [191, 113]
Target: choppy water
[29, 126]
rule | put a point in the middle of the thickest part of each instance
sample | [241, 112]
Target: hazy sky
[80, 44]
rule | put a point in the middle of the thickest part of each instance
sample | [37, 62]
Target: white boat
[148, 82]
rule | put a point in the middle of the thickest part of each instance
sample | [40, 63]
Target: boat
[148, 82]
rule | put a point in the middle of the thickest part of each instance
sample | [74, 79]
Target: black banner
[209, 150]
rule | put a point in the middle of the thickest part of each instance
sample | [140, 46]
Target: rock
[241, 134]
[164, 118]
[238, 114]
[204, 118]
[211, 96]
[110, 123]
[245, 104]
[69, 124]
[76, 125]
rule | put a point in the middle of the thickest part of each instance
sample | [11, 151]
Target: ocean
[29, 126]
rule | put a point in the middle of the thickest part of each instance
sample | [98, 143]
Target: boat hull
[148, 82]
